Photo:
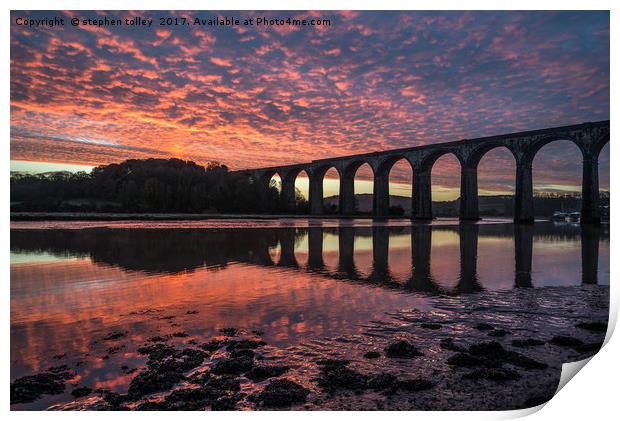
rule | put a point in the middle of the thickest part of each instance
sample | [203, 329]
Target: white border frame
[591, 395]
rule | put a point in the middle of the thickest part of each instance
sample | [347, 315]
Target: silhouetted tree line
[149, 185]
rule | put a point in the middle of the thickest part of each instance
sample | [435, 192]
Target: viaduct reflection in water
[180, 250]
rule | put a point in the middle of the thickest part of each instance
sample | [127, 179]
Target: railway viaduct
[590, 138]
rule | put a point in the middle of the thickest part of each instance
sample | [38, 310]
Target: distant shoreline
[121, 216]
[118, 216]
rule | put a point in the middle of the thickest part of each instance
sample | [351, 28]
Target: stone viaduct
[590, 138]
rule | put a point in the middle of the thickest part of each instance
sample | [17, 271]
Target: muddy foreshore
[486, 351]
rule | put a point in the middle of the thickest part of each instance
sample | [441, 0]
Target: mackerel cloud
[257, 96]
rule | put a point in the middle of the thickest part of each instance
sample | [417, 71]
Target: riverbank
[96, 216]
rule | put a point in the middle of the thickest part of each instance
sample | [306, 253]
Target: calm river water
[295, 281]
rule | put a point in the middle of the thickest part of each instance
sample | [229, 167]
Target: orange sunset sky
[261, 96]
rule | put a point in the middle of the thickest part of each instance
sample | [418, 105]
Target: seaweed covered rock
[589, 348]
[448, 344]
[219, 384]
[112, 398]
[566, 341]
[157, 351]
[236, 353]
[336, 375]
[222, 383]
[233, 365]
[189, 399]
[493, 355]
[491, 350]
[281, 393]
[593, 326]
[211, 390]
[182, 361]
[244, 344]
[80, 392]
[464, 360]
[150, 381]
[523, 361]
[382, 381]
[30, 388]
[214, 344]
[165, 368]
[401, 349]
